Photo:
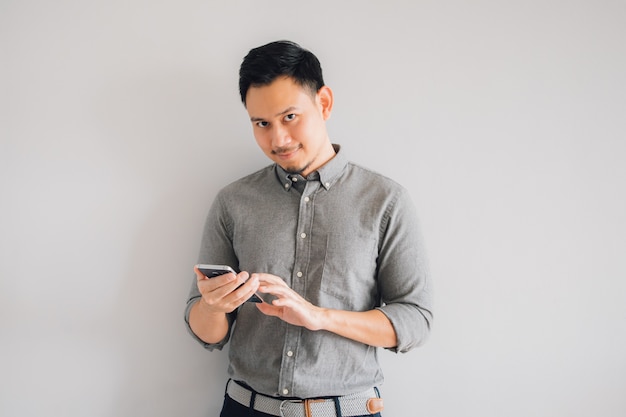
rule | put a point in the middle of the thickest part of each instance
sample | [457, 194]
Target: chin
[292, 169]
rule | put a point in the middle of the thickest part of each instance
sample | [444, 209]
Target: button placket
[300, 265]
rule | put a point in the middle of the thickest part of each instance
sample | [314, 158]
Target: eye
[290, 117]
[262, 124]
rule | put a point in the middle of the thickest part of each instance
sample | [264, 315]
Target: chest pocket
[348, 275]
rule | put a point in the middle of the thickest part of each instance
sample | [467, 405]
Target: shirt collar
[327, 174]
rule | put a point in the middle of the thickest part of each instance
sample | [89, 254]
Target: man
[333, 248]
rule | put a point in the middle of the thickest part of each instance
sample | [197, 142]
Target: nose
[280, 136]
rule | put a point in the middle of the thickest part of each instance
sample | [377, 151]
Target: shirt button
[290, 353]
[299, 274]
[306, 199]
[327, 184]
[285, 391]
[286, 185]
[303, 235]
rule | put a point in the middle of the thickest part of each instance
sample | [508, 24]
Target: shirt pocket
[349, 272]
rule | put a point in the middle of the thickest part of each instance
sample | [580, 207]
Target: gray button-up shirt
[344, 238]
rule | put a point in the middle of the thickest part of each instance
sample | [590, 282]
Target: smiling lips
[286, 153]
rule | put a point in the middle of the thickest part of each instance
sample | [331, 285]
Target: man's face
[289, 124]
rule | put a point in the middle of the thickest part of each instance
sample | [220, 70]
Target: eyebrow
[287, 110]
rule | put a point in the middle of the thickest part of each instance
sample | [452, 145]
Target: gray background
[120, 120]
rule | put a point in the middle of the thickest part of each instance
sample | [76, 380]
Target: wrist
[323, 319]
[208, 310]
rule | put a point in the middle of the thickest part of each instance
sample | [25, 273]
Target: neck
[326, 154]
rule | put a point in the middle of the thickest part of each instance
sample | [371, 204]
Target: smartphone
[212, 271]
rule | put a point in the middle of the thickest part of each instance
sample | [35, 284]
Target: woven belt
[359, 404]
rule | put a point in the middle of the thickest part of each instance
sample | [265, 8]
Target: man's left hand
[288, 306]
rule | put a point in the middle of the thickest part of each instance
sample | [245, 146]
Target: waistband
[359, 404]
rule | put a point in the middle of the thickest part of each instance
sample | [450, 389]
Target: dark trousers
[232, 408]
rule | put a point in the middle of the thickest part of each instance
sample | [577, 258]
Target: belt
[359, 404]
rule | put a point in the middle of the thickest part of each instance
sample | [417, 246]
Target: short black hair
[265, 63]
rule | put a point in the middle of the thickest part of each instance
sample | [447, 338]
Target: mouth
[287, 153]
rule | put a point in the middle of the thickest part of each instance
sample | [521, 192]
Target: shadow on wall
[166, 139]
[165, 371]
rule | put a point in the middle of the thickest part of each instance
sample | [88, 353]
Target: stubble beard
[292, 170]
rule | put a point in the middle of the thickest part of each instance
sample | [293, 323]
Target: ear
[325, 101]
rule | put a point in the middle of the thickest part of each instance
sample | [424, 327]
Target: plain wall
[119, 122]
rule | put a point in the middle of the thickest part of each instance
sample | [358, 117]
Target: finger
[245, 291]
[247, 284]
[278, 290]
[236, 289]
[269, 279]
[221, 298]
[229, 282]
[269, 309]
[199, 275]
[217, 288]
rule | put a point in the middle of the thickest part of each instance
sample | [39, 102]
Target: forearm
[370, 327]
[211, 327]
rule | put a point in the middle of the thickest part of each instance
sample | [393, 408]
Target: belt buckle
[286, 409]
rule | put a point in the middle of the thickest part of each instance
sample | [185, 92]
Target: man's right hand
[221, 295]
